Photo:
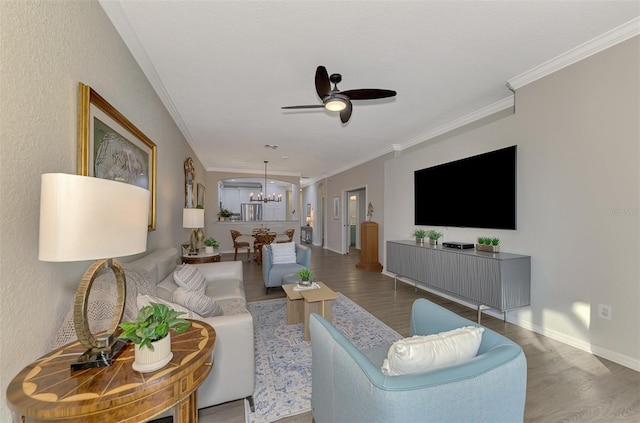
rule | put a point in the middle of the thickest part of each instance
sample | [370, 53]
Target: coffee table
[300, 304]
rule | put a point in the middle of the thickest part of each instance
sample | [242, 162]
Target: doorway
[354, 214]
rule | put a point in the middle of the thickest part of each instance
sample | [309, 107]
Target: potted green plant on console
[488, 244]
[419, 234]
[210, 245]
[151, 336]
[433, 237]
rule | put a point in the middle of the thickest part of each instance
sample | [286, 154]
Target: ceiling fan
[335, 100]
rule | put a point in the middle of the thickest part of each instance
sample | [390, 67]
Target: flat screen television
[475, 192]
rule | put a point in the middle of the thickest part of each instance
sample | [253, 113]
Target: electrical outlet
[604, 311]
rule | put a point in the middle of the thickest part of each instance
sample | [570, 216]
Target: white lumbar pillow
[190, 277]
[284, 252]
[197, 302]
[421, 353]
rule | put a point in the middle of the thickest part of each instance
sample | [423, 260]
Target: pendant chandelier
[266, 198]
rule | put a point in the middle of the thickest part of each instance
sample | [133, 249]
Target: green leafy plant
[480, 240]
[211, 242]
[225, 213]
[434, 234]
[495, 241]
[305, 275]
[419, 233]
[152, 324]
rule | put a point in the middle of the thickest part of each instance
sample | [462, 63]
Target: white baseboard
[616, 357]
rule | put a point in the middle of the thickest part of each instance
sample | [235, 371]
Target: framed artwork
[308, 209]
[336, 207]
[111, 147]
[200, 201]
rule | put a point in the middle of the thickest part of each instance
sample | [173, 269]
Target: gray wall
[47, 48]
[578, 140]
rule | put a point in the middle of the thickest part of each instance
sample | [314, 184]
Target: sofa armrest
[266, 262]
[303, 256]
[233, 372]
[221, 271]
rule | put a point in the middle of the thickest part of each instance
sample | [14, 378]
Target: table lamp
[193, 219]
[87, 218]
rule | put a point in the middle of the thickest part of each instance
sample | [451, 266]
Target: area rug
[283, 357]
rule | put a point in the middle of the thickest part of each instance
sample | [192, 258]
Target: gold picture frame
[115, 134]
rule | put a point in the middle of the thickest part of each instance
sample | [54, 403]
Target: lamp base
[102, 357]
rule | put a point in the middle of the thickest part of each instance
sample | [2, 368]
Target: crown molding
[596, 45]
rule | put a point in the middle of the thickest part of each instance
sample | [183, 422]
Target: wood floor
[564, 384]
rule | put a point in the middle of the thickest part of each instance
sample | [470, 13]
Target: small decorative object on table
[150, 334]
[305, 277]
[488, 244]
[419, 234]
[210, 245]
[224, 213]
[370, 211]
[433, 237]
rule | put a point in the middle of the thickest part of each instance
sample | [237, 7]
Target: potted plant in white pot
[210, 245]
[433, 237]
[151, 336]
[419, 234]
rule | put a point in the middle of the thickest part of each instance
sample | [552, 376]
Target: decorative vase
[208, 250]
[420, 241]
[302, 282]
[147, 360]
[433, 241]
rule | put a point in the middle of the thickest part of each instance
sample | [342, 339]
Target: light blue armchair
[348, 385]
[273, 273]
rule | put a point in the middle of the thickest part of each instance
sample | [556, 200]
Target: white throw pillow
[190, 277]
[145, 300]
[283, 253]
[195, 301]
[421, 353]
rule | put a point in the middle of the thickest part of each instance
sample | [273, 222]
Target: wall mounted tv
[475, 192]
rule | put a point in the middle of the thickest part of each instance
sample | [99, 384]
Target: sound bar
[458, 245]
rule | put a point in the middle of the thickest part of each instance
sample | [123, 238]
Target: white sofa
[233, 374]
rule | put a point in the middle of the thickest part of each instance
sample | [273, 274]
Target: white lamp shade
[87, 218]
[193, 218]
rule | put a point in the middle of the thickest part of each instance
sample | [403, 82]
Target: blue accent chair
[273, 273]
[348, 385]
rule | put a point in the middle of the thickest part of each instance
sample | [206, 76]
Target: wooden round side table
[48, 390]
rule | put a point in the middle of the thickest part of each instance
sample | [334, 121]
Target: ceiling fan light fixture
[335, 105]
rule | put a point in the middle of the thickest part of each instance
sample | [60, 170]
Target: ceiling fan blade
[315, 106]
[323, 86]
[345, 114]
[368, 94]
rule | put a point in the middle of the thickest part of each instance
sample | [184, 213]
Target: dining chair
[289, 233]
[239, 244]
[261, 238]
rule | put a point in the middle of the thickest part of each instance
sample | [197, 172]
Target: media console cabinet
[497, 280]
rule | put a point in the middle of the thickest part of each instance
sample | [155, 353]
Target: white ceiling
[224, 69]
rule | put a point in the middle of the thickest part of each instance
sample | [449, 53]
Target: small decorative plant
[434, 234]
[152, 324]
[305, 275]
[211, 242]
[486, 243]
[419, 233]
[225, 213]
